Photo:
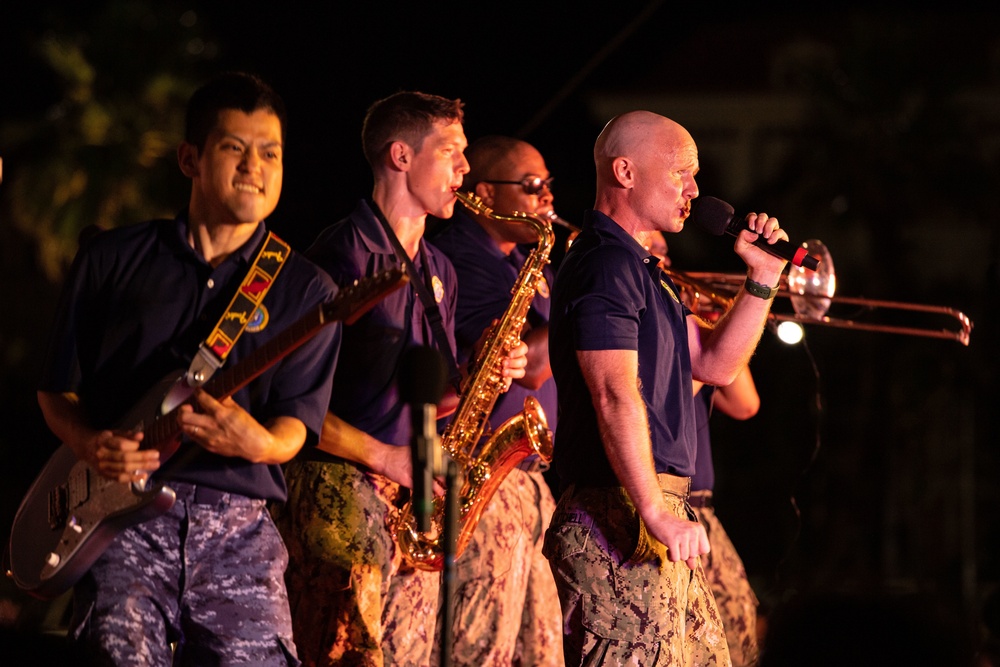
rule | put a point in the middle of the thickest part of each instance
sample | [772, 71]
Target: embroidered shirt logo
[666, 286]
[258, 322]
[438, 288]
[542, 287]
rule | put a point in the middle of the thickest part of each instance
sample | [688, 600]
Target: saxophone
[523, 434]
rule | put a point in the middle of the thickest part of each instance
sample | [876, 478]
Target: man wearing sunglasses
[505, 609]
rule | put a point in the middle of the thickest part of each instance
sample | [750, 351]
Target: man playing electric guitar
[202, 583]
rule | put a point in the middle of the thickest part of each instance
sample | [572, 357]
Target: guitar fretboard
[349, 304]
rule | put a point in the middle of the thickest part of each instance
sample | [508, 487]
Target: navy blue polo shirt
[485, 279]
[609, 294]
[364, 392]
[137, 304]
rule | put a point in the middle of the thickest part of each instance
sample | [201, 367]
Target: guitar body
[71, 513]
[68, 518]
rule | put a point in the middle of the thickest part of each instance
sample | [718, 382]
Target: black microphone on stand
[422, 377]
[717, 217]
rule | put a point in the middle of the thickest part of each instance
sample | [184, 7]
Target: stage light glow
[790, 333]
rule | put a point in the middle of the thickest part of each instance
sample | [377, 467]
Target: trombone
[812, 294]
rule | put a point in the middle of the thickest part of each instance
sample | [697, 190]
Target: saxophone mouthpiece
[556, 220]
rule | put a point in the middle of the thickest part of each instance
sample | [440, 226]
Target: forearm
[722, 352]
[348, 442]
[623, 425]
[624, 431]
[66, 420]
[739, 399]
[288, 434]
[341, 439]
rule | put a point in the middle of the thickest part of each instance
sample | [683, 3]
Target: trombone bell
[811, 292]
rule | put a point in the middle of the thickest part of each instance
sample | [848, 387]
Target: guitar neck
[163, 432]
[225, 384]
[350, 303]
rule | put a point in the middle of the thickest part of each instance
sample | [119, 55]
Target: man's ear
[400, 155]
[623, 169]
[485, 191]
[187, 158]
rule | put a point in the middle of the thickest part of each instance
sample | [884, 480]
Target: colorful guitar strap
[262, 274]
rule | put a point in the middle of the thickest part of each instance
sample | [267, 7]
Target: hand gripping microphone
[422, 378]
[716, 216]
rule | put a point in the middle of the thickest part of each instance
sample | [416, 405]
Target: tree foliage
[95, 145]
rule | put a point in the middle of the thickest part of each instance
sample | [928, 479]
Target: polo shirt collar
[372, 233]
[245, 253]
[605, 225]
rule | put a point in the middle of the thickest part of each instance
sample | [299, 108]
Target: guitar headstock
[356, 299]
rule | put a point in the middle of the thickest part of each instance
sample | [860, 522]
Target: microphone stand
[449, 537]
[423, 453]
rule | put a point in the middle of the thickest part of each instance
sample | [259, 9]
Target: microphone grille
[711, 214]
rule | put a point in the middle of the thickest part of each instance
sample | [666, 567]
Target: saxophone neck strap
[212, 353]
[422, 286]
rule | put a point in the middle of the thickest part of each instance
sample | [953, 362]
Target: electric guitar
[71, 513]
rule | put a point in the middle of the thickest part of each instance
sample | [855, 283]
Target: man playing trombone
[723, 566]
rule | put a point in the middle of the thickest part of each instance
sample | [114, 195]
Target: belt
[198, 494]
[206, 495]
[674, 484]
[700, 498]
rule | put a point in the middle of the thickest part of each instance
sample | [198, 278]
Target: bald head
[645, 161]
[639, 136]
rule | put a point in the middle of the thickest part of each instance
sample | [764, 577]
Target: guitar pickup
[58, 507]
[65, 498]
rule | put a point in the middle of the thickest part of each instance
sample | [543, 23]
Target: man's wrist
[754, 288]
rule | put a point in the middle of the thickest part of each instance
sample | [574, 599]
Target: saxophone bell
[525, 434]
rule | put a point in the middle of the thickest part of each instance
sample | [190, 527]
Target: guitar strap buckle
[202, 367]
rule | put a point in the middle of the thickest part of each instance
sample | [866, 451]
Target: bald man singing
[623, 544]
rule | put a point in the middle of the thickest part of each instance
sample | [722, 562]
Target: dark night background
[869, 471]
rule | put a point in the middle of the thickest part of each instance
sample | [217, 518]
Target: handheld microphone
[422, 377]
[717, 217]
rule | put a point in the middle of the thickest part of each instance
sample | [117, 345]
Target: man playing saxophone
[353, 601]
[505, 609]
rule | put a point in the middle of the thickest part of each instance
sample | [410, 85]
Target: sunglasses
[532, 185]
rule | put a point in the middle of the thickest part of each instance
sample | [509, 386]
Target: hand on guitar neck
[223, 427]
